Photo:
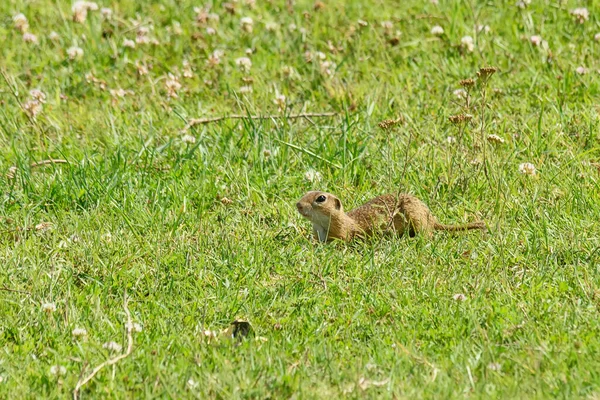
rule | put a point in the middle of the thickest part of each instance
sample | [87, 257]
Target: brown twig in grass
[12, 170]
[4, 288]
[200, 121]
[111, 361]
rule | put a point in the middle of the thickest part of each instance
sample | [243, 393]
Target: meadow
[135, 229]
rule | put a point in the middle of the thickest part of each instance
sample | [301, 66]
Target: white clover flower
[387, 25]
[189, 139]
[57, 370]
[467, 43]
[20, 22]
[450, 140]
[581, 15]
[245, 89]
[79, 332]
[43, 226]
[527, 169]
[292, 27]
[215, 58]
[362, 24]
[80, 10]
[247, 24]
[459, 297]
[523, 3]
[142, 69]
[53, 36]
[129, 43]
[211, 31]
[112, 346]
[597, 37]
[120, 92]
[313, 176]
[30, 38]
[172, 85]
[581, 70]
[187, 69]
[74, 52]
[437, 30]
[49, 307]
[244, 63]
[38, 95]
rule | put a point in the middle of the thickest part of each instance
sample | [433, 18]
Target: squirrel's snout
[300, 208]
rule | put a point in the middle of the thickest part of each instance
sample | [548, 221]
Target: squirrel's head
[318, 207]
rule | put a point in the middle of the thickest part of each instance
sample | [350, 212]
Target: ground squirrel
[383, 214]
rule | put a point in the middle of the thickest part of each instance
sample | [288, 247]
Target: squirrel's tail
[464, 227]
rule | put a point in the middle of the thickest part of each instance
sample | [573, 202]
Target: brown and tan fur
[383, 214]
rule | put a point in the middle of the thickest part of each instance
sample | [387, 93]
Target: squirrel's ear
[338, 203]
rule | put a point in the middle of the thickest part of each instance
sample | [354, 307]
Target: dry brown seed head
[486, 72]
[460, 118]
[389, 123]
[467, 83]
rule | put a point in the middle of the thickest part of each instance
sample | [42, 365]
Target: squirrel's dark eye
[321, 199]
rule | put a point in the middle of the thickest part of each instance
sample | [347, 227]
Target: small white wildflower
[245, 89]
[361, 23]
[450, 140]
[128, 43]
[581, 14]
[189, 139]
[292, 27]
[30, 38]
[494, 366]
[271, 26]
[459, 297]
[523, 3]
[460, 93]
[387, 25]
[467, 43]
[172, 85]
[57, 370]
[210, 31]
[483, 28]
[80, 10]
[187, 69]
[581, 70]
[37, 95]
[43, 226]
[79, 332]
[527, 169]
[192, 383]
[106, 12]
[327, 68]
[244, 63]
[133, 327]
[21, 23]
[112, 346]
[597, 37]
[49, 307]
[215, 57]
[248, 52]
[74, 52]
[437, 30]
[280, 101]
[313, 176]
[535, 40]
[53, 36]
[118, 93]
[142, 69]
[247, 24]
[495, 139]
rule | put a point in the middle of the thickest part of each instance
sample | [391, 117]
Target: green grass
[138, 210]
